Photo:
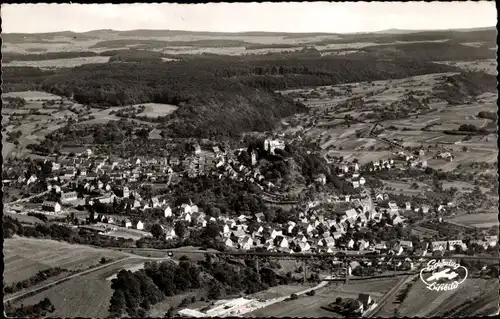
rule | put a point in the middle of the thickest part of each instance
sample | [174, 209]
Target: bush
[311, 293]
[294, 296]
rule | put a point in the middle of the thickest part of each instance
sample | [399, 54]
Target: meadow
[60, 63]
[24, 257]
[422, 302]
[484, 220]
[156, 109]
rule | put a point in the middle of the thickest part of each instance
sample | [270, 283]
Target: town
[159, 172]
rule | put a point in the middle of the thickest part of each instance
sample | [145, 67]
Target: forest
[217, 96]
[135, 292]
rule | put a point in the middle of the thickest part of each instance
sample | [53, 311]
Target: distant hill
[402, 31]
[169, 33]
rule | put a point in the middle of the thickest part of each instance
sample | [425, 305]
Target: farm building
[67, 197]
[51, 207]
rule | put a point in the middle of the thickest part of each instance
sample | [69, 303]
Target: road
[388, 295]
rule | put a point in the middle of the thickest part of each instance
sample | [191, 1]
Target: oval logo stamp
[443, 275]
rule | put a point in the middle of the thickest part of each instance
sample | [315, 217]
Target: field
[310, 306]
[422, 302]
[488, 66]
[74, 297]
[485, 220]
[156, 109]
[79, 297]
[60, 63]
[404, 188]
[24, 257]
[25, 219]
[32, 95]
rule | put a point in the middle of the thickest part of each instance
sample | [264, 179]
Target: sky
[238, 17]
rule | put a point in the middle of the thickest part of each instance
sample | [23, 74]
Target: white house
[439, 245]
[362, 181]
[245, 242]
[127, 223]
[186, 209]
[351, 214]
[304, 246]
[168, 212]
[393, 207]
[229, 243]
[281, 242]
[170, 233]
[276, 233]
[350, 244]
[139, 225]
[51, 206]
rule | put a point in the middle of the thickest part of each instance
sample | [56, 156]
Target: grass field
[79, 297]
[24, 257]
[32, 95]
[482, 292]
[485, 220]
[422, 302]
[86, 296]
[60, 63]
[405, 187]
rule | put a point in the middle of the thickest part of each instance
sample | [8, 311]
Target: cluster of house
[351, 173]
[190, 213]
[312, 233]
[412, 160]
[451, 245]
[445, 155]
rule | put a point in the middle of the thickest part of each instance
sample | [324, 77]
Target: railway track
[348, 254]
[381, 303]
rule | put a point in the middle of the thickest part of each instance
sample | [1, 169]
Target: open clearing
[32, 95]
[60, 63]
[156, 109]
[484, 220]
[24, 257]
